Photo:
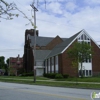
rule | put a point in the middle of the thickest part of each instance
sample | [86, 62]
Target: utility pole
[34, 68]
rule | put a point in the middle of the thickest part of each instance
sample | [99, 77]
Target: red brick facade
[95, 59]
[64, 62]
[28, 61]
[65, 66]
[15, 65]
[53, 43]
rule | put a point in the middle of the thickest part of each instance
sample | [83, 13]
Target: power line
[66, 25]
[52, 21]
[8, 50]
[23, 5]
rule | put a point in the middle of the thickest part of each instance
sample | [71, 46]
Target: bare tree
[5, 10]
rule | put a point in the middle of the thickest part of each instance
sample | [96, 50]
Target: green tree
[7, 62]
[2, 62]
[79, 53]
[6, 69]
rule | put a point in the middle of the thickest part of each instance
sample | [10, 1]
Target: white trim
[70, 44]
[82, 32]
[91, 38]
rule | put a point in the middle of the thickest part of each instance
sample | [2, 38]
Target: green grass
[85, 79]
[47, 82]
[57, 84]
[24, 77]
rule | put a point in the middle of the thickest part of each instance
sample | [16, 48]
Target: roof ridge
[43, 37]
[50, 37]
[61, 47]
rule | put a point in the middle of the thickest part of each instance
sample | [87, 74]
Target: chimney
[31, 32]
[37, 33]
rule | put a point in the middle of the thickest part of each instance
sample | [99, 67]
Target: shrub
[28, 74]
[20, 71]
[45, 75]
[50, 75]
[65, 75]
[58, 76]
[12, 75]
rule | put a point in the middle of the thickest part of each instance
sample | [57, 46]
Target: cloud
[57, 19]
[52, 7]
[92, 2]
[70, 6]
[55, 8]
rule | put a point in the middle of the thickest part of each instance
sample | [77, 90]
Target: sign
[35, 67]
[95, 95]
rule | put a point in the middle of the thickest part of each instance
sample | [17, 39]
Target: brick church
[51, 54]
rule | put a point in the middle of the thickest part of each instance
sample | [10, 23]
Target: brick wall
[54, 42]
[28, 54]
[95, 58]
[65, 64]
[15, 65]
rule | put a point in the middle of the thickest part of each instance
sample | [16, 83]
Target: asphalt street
[13, 91]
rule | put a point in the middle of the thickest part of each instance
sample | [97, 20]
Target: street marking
[42, 93]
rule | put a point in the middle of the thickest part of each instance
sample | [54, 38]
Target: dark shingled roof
[60, 47]
[41, 54]
[42, 41]
[64, 39]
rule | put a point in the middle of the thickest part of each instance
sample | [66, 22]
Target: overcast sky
[59, 17]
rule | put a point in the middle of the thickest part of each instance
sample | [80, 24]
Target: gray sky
[60, 17]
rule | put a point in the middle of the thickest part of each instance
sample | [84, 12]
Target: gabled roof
[42, 41]
[84, 32]
[60, 47]
[40, 55]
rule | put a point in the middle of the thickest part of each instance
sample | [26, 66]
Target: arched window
[83, 37]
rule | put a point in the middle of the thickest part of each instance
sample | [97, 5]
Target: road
[13, 91]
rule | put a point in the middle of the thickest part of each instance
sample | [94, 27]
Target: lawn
[59, 83]
[24, 77]
[85, 79]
